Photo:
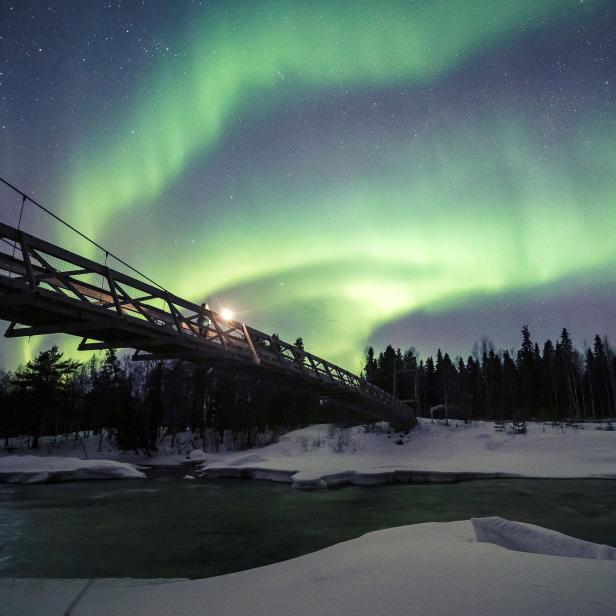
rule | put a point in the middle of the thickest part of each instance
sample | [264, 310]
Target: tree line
[554, 381]
[134, 403]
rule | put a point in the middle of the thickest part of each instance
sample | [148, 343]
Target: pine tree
[527, 372]
[429, 383]
[565, 360]
[611, 371]
[462, 390]
[510, 391]
[45, 380]
[409, 383]
[445, 376]
[420, 396]
[473, 391]
[548, 366]
[526, 351]
[109, 401]
[600, 375]
[371, 365]
[386, 368]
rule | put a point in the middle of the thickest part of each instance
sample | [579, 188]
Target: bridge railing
[36, 266]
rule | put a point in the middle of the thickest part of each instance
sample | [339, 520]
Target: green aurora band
[488, 210]
[517, 215]
[242, 59]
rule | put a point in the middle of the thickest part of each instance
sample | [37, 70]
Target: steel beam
[117, 311]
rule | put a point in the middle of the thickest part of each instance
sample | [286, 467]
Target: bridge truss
[45, 289]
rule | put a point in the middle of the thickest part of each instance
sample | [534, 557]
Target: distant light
[226, 314]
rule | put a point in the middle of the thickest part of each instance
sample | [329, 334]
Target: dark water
[168, 527]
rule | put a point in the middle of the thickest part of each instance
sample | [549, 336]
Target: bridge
[46, 289]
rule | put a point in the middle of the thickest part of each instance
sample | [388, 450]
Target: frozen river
[168, 527]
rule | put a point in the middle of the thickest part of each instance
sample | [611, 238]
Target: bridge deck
[45, 289]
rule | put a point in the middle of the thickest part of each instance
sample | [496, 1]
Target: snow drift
[426, 569]
[537, 540]
[36, 469]
[431, 453]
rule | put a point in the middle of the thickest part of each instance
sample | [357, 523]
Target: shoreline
[368, 479]
[333, 480]
[324, 456]
[421, 568]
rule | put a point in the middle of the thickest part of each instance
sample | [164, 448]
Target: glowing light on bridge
[226, 314]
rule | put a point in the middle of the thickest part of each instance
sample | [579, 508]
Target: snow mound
[537, 540]
[197, 455]
[432, 569]
[249, 459]
[35, 469]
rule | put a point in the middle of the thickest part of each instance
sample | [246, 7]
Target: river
[168, 527]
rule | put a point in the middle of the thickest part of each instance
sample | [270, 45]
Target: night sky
[422, 173]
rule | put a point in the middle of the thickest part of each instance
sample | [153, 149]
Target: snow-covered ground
[323, 455]
[171, 451]
[90, 457]
[38, 469]
[427, 569]
[318, 456]
[480, 567]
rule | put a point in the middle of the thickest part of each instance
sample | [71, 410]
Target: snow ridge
[36, 469]
[537, 540]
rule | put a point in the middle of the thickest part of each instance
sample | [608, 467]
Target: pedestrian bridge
[46, 289]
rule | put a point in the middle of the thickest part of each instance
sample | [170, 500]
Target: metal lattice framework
[45, 289]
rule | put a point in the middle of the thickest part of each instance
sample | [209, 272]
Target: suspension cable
[108, 253]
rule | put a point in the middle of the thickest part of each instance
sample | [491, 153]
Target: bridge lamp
[226, 314]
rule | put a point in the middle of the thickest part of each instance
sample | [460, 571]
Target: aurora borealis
[421, 173]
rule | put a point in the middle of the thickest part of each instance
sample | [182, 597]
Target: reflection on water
[169, 527]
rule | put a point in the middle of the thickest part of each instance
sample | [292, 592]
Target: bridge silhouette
[46, 289]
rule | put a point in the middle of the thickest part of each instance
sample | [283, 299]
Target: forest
[552, 382]
[133, 403]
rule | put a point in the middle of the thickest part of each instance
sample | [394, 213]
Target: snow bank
[432, 453]
[426, 569]
[538, 540]
[184, 450]
[323, 456]
[196, 456]
[36, 469]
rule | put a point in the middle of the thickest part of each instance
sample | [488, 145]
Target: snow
[538, 540]
[196, 455]
[479, 567]
[36, 469]
[433, 452]
[172, 450]
[324, 456]
[436, 569]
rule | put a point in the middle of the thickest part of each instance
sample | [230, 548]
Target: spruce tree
[45, 380]
[527, 372]
[567, 373]
[371, 365]
[600, 374]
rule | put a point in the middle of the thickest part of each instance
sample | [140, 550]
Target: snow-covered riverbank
[318, 456]
[39, 469]
[322, 455]
[422, 569]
